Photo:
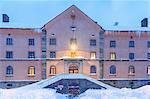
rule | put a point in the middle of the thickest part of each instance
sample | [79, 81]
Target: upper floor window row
[92, 42]
[9, 54]
[148, 44]
[112, 44]
[131, 44]
[9, 41]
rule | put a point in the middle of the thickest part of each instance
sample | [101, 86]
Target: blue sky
[35, 13]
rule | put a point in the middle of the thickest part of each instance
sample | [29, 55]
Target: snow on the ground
[124, 93]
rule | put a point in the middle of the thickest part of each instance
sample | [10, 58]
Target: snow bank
[125, 93]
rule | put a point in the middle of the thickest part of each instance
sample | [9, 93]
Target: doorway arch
[73, 68]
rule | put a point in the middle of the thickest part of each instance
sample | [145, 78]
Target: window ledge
[131, 74]
[112, 75]
[93, 74]
[29, 75]
[7, 75]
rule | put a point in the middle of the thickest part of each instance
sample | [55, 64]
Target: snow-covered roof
[56, 78]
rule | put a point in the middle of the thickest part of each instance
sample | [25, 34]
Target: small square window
[52, 54]
[93, 55]
[92, 42]
[9, 54]
[112, 55]
[31, 54]
[31, 42]
[148, 55]
[9, 41]
[131, 44]
[131, 56]
[52, 41]
[112, 44]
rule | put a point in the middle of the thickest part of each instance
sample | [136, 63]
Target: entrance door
[73, 69]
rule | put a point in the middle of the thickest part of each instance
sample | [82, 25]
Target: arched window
[93, 69]
[31, 71]
[73, 68]
[112, 69]
[131, 70]
[9, 70]
[148, 70]
[52, 70]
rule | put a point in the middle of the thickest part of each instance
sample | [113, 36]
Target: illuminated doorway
[73, 68]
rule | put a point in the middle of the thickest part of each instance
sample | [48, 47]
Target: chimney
[5, 18]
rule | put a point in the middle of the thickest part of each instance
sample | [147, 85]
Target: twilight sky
[35, 13]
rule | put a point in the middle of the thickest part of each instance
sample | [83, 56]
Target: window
[93, 55]
[112, 44]
[148, 55]
[148, 70]
[9, 70]
[73, 44]
[112, 55]
[131, 55]
[131, 70]
[9, 41]
[5, 18]
[52, 70]
[92, 42]
[31, 54]
[148, 44]
[144, 22]
[31, 71]
[9, 54]
[131, 43]
[93, 69]
[112, 69]
[52, 41]
[52, 54]
[31, 42]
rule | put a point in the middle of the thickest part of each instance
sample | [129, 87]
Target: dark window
[92, 42]
[148, 44]
[31, 54]
[148, 55]
[9, 54]
[112, 69]
[5, 18]
[131, 55]
[52, 54]
[131, 70]
[131, 43]
[9, 70]
[52, 41]
[144, 22]
[52, 70]
[113, 44]
[9, 41]
[93, 69]
[31, 42]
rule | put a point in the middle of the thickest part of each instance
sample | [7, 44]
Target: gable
[79, 15]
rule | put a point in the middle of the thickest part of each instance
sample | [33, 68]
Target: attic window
[93, 35]
[131, 37]
[73, 28]
[53, 34]
[9, 34]
[72, 15]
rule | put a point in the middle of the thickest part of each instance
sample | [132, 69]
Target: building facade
[73, 43]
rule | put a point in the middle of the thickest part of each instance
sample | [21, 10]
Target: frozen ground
[19, 93]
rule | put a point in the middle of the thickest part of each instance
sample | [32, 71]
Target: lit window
[92, 42]
[131, 70]
[31, 42]
[112, 69]
[52, 54]
[31, 71]
[9, 70]
[112, 55]
[9, 54]
[131, 56]
[131, 44]
[73, 44]
[31, 54]
[52, 41]
[112, 44]
[52, 70]
[93, 55]
[93, 69]
[148, 70]
[9, 41]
